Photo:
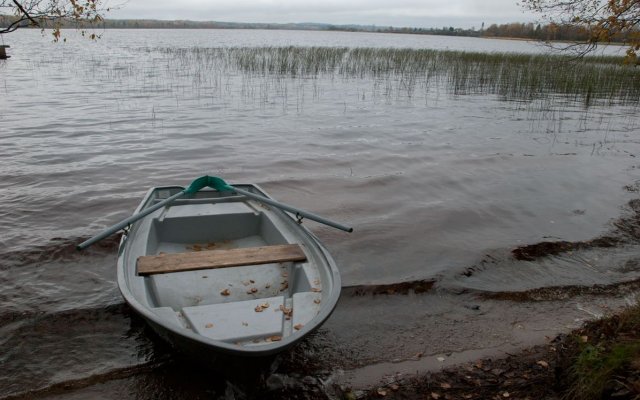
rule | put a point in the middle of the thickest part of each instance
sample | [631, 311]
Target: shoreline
[551, 371]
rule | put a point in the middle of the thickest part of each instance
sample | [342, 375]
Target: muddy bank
[599, 360]
[529, 374]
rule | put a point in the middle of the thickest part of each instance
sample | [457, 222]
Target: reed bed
[591, 80]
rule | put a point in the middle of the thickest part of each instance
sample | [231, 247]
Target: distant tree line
[571, 33]
[516, 30]
[446, 31]
[548, 32]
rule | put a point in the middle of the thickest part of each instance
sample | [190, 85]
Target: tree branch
[12, 27]
[25, 13]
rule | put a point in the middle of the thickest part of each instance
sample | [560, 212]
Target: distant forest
[516, 30]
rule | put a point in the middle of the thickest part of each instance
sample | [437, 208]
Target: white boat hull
[244, 310]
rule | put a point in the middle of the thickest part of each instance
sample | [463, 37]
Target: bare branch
[25, 13]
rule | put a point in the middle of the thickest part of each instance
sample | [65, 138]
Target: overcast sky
[412, 13]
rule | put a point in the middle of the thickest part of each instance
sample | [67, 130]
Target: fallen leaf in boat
[210, 245]
[284, 286]
[259, 308]
[275, 338]
[317, 301]
[264, 305]
[252, 281]
[252, 290]
[225, 292]
[298, 327]
[196, 247]
[543, 363]
[316, 290]
[209, 325]
[286, 311]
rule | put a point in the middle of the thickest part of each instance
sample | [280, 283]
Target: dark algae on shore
[626, 229]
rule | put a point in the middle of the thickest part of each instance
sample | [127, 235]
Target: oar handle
[126, 222]
[292, 209]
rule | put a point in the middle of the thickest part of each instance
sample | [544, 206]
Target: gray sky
[414, 13]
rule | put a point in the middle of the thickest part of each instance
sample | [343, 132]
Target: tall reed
[512, 76]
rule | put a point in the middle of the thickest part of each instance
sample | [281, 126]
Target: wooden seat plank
[178, 262]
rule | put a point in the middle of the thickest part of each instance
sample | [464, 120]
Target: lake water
[435, 184]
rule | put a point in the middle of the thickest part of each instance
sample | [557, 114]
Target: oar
[215, 183]
[126, 222]
[297, 211]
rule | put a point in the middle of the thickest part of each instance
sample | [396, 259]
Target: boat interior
[227, 268]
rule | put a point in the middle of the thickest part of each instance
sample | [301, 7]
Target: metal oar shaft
[124, 223]
[220, 185]
[291, 209]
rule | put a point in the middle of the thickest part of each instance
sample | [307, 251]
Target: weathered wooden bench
[208, 259]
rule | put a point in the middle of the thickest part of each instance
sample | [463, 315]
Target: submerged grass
[591, 80]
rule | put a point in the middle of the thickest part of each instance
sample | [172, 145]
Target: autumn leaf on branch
[53, 14]
[605, 20]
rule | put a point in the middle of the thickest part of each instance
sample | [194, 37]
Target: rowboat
[225, 270]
